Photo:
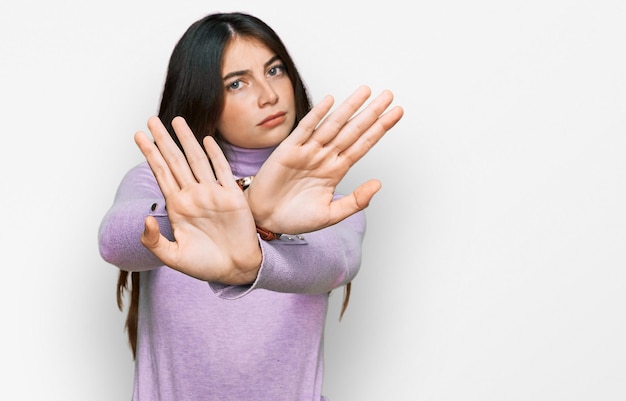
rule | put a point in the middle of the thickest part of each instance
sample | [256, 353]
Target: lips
[273, 120]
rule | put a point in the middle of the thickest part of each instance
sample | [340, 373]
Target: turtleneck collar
[243, 161]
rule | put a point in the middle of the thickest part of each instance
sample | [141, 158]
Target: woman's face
[259, 105]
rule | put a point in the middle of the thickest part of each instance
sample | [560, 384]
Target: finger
[159, 167]
[367, 140]
[362, 122]
[156, 243]
[310, 121]
[172, 154]
[221, 167]
[195, 156]
[334, 123]
[358, 200]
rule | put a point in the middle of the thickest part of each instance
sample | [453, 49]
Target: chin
[276, 138]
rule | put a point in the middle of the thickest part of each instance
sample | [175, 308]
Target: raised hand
[293, 190]
[214, 231]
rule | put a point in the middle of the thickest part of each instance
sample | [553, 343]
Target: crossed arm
[213, 221]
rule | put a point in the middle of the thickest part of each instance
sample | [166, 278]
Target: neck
[243, 161]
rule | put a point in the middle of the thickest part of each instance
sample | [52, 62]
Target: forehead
[243, 53]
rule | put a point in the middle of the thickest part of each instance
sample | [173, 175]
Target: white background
[494, 264]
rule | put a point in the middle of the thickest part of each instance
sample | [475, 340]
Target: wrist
[264, 233]
[245, 269]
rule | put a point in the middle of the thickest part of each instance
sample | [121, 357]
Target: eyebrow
[244, 72]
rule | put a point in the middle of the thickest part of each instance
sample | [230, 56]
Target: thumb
[365, 192]
[157, 243]
[151, 233]
[358, 200]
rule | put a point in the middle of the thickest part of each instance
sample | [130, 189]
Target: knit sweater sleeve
[312, 263]
[119, 235]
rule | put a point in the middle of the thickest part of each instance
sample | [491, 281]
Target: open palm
[293, 191]
[214, 231]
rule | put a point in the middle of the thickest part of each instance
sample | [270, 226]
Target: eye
[233, 86]
[276, 70]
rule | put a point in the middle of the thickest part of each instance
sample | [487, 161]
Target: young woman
[224, 306]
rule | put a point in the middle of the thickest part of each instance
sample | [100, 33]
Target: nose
[267, 94]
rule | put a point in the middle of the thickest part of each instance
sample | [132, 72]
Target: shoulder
[140, 172]
[138, 181]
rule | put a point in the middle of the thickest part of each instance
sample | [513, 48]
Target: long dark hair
[194, 90]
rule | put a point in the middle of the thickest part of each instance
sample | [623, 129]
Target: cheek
[227, 120]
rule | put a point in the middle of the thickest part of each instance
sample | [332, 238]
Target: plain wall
[494, 263]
